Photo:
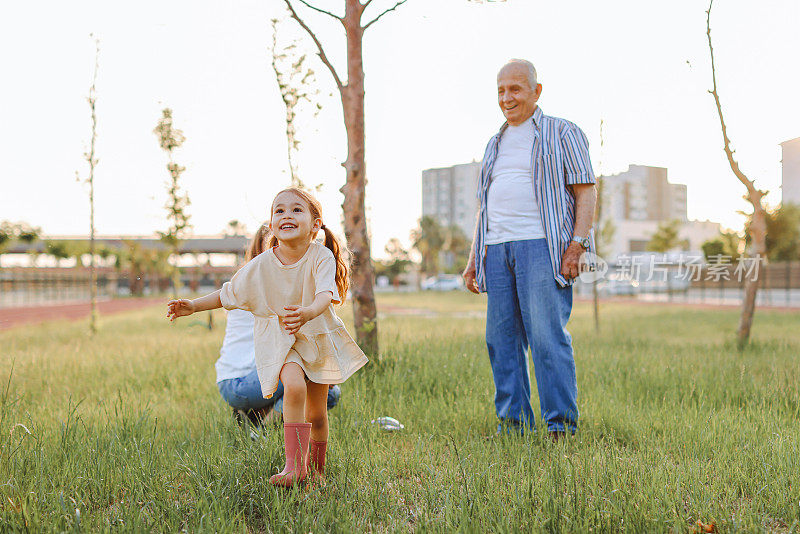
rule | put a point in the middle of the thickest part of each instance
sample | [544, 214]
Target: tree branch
[319, 10]
[373, 21]
[753, 193]
[321, 53]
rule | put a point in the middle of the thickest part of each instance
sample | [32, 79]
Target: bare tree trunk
[355, 219]
[92, 99]
[597, 236]
[758, 223]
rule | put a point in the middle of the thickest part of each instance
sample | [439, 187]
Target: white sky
[641, 66]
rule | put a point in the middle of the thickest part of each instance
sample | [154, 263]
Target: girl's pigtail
[342, 282]
[256, 245]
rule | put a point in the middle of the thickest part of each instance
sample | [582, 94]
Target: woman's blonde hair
[256, 245]
[340, 253]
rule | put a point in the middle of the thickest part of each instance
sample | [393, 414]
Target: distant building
[790, 171]
[640, 199]
[632, 236]
[637, 201]
[449, 195]
[643, 194]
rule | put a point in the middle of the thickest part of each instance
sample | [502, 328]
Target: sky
[642, 67]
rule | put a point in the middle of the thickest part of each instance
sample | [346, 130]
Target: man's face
[516, 97]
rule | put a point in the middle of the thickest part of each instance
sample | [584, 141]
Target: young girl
[298, 338]
[237, 375]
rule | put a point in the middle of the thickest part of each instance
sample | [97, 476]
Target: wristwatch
[582, 241]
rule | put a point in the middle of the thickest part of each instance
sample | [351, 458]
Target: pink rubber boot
[316, 457]
[295, 437]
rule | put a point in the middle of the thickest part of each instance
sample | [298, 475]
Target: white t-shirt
[513, 214]
[237, 357]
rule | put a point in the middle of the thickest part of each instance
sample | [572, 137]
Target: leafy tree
[132, 258]
[428, 239]
[141, 262]
[77, 249]
[783, 233]
[106, 251]
[456, 246]
[666, 237]
[397, 262]
[63, 249]
[7, 235]
[58, 249]
[11, 233]
[726, 244]
[25, 233]
[171, 138]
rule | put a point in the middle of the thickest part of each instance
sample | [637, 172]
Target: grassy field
[127, 432]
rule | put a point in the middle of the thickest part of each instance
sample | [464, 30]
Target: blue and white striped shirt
[560, 158]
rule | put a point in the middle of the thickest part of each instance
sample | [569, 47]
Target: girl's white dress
[322, 346]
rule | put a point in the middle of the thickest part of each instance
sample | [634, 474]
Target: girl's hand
[296, 316]
[179, 308]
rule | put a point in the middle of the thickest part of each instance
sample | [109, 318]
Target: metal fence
[721, 284]
[703, 283]
[21, 287]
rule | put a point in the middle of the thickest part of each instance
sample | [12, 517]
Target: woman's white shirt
[237, 357]
[513, 214]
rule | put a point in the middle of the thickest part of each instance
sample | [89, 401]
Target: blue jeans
[245, 394]
[527, 308]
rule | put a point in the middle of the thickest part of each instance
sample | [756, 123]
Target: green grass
[676, 426]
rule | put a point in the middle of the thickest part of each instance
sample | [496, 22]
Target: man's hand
[570, 261]
[469, 277]
[296, 316]
[179, 308]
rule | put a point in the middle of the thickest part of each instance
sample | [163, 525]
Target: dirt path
[11, 317]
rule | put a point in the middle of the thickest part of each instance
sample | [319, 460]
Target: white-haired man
[537, 199]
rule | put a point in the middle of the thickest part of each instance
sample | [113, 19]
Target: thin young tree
[351, 92]
[598, 221]
[296, 85]
[92, 162]
[757, 227]
[169, 139]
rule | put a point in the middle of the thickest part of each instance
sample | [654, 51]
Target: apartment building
[449, 195]
[790, 171]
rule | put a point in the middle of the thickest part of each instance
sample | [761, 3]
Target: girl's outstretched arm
[297, 316]
[183, 307]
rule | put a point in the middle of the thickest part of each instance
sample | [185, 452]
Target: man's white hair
[528, 65]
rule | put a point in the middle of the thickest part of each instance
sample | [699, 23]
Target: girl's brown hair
[339, 251]
[256, 245]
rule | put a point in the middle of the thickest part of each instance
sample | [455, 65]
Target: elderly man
[537, 200]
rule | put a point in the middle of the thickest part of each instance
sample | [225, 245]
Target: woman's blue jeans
[245, 394]
[527, 308]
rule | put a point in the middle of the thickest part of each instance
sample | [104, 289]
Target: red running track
[11, 317]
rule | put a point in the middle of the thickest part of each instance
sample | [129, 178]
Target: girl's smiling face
[291, 219]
